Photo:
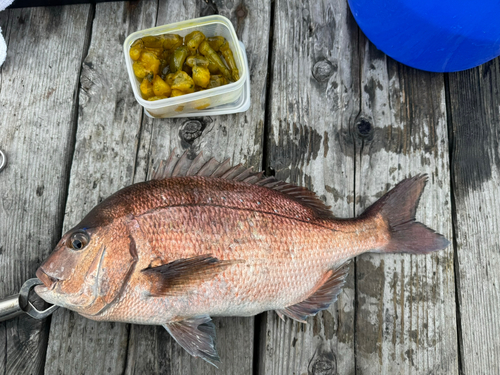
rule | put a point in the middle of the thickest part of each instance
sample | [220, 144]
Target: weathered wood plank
[405, 318]
[239, 136]
[475, 118]
[313, 100]
[109, 123]
[38, 82]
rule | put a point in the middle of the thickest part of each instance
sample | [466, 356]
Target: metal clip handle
[18, 304]
[3, 160]
[9, 308]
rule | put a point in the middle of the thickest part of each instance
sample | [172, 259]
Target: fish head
[70, 274]
[90, 264]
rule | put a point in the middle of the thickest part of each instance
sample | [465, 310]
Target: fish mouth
[48, 281]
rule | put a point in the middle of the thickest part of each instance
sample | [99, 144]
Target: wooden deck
[330, 112]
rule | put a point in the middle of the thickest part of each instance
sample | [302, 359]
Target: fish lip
[48, 281]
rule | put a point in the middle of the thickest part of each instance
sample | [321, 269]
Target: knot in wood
[323, 366]
[241, 11]
[364, 128]
[323, 70]
[323, 363]
[191, 130]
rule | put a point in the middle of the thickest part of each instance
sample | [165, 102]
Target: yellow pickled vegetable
[193, 40]
[171, 41]
[160, 87]
[183, 82]
[158, 52]
[219, 43]
[228, 56]
[153, 41]
[170, 79]
[197, 60]
[150, 62]
[216, 42]
[136, 49]
[178, 58]
[216, 81]
[139, 70]
[201, 76]
[213, 67]
[146, 89]
[176, 93]
[209, 52]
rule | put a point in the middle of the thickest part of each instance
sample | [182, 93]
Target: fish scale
[176, 235]
[208, 239]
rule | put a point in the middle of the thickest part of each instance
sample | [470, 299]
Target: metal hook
[18, 304]
[3, 160]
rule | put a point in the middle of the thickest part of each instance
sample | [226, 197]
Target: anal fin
[196, 336]
[324, 295]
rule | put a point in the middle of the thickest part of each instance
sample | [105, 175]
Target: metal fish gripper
[19, 304]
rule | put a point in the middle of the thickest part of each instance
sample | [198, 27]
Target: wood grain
[312, 102]
[38, 82]
[338, 117]
[238, 137]
[109, 123]
[474, 100]
[405, 317]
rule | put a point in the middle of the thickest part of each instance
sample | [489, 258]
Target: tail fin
[398, 208]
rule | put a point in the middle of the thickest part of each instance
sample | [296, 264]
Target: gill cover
[117, 264]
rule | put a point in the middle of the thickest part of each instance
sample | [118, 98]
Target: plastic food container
[206, 99]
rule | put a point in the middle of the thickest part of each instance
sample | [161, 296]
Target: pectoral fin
[179, 275]
[326, 293]
[197, 336]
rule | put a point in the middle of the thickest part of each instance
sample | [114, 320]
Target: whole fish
[204, 239]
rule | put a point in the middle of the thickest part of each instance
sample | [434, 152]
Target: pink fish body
[206, 239]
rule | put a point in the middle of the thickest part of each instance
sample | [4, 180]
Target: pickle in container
[169, 65]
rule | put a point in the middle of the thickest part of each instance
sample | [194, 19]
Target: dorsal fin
[178, 166]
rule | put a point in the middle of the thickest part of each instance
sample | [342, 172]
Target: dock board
[329, 112]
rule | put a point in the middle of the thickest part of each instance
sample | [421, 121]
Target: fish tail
[398, 208]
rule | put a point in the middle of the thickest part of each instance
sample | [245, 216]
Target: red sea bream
[204, 239]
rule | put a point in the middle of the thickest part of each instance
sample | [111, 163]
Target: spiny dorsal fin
[196, 165]
[326, 293]
[177, 166]
[174, 277]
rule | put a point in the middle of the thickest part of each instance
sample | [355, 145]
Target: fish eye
[78, 240]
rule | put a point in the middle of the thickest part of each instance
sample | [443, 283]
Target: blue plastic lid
[433, 35]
